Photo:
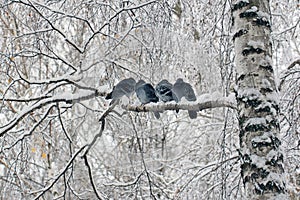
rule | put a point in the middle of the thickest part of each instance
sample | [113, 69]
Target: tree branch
[64, 97]
[28, 133]
[91, 176]
[207, 104]
[44, 190]
[95, 137]
[287, 72]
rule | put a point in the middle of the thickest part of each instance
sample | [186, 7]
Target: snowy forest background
[56, 56]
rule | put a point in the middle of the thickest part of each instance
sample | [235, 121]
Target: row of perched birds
[146, 93]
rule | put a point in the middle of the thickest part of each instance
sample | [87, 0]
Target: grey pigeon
[146, 94]
[164, 91]
[124, 87]
[182, 89]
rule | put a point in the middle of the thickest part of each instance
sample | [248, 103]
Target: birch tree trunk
[258, 107]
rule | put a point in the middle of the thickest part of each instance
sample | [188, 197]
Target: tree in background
[57, 59]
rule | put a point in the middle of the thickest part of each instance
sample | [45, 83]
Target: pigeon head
[180, 80]
[164, 81]
[164, 91]
[131, 81]
[139, 83]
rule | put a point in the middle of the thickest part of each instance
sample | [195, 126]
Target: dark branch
[44, 190]
[68, 98]
[91, 176]
[28, 133]
[96, 137]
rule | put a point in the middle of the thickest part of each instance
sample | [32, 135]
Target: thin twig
[44, 190]
[143, 160]
[95, 137]
[91, 176]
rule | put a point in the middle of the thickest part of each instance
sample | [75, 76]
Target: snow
[231, 98]
[266, 61]
[259, 161]
[264, 15]
[256, 44]
[2, 167]
[273, 97]
[265, 104]
[252, 9]
[74, 97]
[262, 138]
[203, 97]
[272, 154]
[104, 88]
[245, 1]
[249, 93]
[67, 77]
[266, 84]
[61, 97]
[255, 121]
[2, 117]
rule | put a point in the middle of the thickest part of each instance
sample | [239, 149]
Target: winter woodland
[61, 139]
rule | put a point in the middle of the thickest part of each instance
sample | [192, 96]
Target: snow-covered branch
[66, 97]
[204, 102]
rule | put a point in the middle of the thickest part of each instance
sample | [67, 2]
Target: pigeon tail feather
[192, 114]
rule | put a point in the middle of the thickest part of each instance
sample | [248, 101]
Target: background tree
[58, 60]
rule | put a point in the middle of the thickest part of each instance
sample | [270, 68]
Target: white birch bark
[257, 102]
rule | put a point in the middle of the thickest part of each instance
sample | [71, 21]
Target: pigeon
[124, 87]
[164, 91]
[182, 89]
[146, 94]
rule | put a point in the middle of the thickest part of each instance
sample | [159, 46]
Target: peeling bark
[257, 101]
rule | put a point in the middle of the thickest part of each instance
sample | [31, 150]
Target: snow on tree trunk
[262, 160]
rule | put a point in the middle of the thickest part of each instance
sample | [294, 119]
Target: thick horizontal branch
[197, 105]
[26, 100]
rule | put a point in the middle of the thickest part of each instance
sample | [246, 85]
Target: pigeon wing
[150, 93]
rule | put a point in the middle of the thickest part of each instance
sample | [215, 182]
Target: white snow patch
[256, 44]
[183, 100]
[231, 98]
[266, 84]
[204, 98]
[259, 161]
[264, 15]
[255, 121]
[124, 100]
[216, 95]
[2, 171]
[250, 93]
[266, 61]
[272, 97]
[252, 9]
[81, 95]
[272, 154]
[263, 138]
[245, 1]
[269, 118]
[2, 117]
[104, 88]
